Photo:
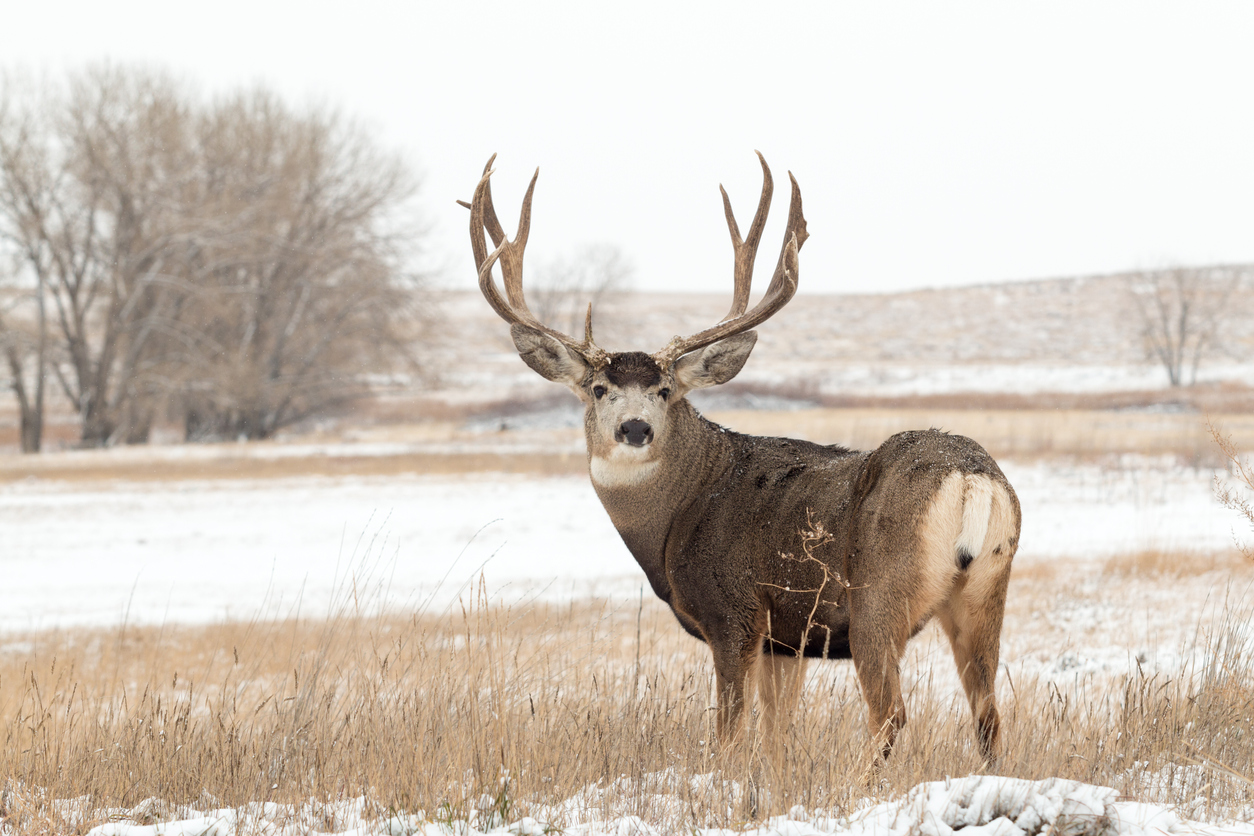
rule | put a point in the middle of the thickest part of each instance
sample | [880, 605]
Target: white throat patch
[623, 467]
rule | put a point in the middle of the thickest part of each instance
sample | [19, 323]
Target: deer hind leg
[781, 679]
[976, 658]
[914, 576]
[972, 619]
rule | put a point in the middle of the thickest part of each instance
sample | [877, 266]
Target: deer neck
[643, 496]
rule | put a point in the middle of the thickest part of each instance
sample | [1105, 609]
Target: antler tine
[747, 250]
[796, 227]
[512, 258]
[490, 220]
[513, 307]
[781, 289]
[476, 206]
[483, 216]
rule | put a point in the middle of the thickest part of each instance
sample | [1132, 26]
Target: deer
[774, 551]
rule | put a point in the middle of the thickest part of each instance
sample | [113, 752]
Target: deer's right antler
[513, 308]
[783, 283]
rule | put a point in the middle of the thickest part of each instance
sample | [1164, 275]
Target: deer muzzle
[635, 432]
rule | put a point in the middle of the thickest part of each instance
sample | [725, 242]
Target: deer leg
[973, 624]
[877, 641]
[734, 659]
[781, 679]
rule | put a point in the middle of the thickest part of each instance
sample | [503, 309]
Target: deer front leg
[781, 679]
[735, 658]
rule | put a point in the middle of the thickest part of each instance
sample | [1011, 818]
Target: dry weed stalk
[1233, 496]
[814, 536]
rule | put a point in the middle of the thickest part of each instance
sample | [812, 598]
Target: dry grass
[1158, 563]
[1023, 434]
[488, 712]
[1225, 397]
[447, 448]
[104, 465]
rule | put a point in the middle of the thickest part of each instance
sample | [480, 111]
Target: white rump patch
[623, 467]
[977, 507]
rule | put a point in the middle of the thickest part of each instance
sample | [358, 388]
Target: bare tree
[24, 345]
[564, 286]
[85, 190]
[24, 192]
[237, 265]
[301, 290]
[1182, 312]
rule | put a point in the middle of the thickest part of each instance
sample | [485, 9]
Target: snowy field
[199, 551]
[186, 551]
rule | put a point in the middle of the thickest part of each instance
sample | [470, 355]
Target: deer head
[629, 396]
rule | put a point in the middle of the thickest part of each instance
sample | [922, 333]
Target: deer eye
[599, 391]
[664, 393]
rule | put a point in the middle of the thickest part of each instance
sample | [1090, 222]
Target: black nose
[635, 432]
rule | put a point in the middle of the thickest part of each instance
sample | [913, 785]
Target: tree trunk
[30, 411]
[97, 426]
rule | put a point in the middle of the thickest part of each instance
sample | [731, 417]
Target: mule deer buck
[924, 526]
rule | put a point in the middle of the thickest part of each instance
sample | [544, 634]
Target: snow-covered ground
[977, 805]
[197, 551]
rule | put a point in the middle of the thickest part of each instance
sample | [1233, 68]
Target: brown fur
[633, 368]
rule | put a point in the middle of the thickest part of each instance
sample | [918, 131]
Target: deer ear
[547, 357]
[716, 363]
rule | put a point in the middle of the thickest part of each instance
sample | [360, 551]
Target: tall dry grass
[488, 713]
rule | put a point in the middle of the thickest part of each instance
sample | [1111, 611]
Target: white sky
[935, 144]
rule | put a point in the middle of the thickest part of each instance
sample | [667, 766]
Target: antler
[783, 283]
[513, 309]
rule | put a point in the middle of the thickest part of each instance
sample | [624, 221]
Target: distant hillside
[1061, 335]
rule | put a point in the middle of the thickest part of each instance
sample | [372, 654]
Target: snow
[977, 805]
[201, 551]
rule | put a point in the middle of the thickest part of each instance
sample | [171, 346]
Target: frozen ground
[188, 551]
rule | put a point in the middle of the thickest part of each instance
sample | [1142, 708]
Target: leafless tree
[565, 285]
[25, 351]
[1182, 312]
[237, 265]
[87, 194]
[23, 309]
[15, 337]
[301, 291]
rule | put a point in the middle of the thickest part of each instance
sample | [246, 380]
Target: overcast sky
[935, 144]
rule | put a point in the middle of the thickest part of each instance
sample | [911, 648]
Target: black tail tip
[964, 559]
